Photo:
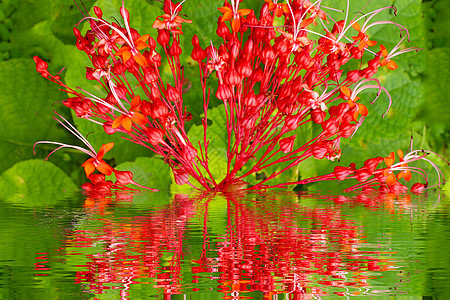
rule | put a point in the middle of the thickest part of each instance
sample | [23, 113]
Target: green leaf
[436, 109]
[32, 182]
[25, 98]
[150, 172]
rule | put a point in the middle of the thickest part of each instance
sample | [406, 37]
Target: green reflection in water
[138, 246]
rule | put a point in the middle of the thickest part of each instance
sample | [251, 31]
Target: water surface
[258, 246]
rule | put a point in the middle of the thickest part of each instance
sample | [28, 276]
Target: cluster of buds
[271, 79]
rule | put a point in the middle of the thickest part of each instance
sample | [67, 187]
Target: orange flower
[127, 52]
[172, 23]
[386, 61]
[279, 8]
[98, 163]
[405, 174]
[361, 108]
[295, 41]
[362, 38]
[133, 116]
[234, 16]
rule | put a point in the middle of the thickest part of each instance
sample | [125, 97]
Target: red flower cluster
[272, 80]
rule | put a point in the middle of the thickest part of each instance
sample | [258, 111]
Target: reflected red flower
[286, 248]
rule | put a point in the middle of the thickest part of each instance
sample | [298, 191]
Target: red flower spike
[281, 65]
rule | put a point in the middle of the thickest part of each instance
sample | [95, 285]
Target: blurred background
[421, 106]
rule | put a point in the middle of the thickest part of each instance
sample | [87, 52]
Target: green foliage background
[44, 28]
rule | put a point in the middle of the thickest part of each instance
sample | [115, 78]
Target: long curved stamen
[372, 14]
[62, 145]
[358, 89]
[174, 14]
[110, 26]
[75, 132]
[103, 102]
[91, 152]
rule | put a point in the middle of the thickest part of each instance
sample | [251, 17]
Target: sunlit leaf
[32, 182]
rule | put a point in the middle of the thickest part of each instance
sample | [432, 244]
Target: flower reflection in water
[265, 246]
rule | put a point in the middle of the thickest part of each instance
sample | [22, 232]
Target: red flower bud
[223, 92]
[372, 163]
[222, 30]
[353, 76]
[250, 99]
[163, 37]
[362, 174]
[118, 68]
[180, 176]
[330, 126]
[172, 94]
[257, 75]
[418, 188]
[150, 75]
[121, 91]
[155, 136]
[318, 115]
[198, 53]
[89, 74]
[244, 68]
[267, 54]
[346, 129]
[342, 172]
[77, 32]
[398, 188]
[175, 49]
[98, 12]
[232, 78]
[287, 144]
[41, 66]
[282, 71]
[124, 177]
[319, 150]
[159, 110]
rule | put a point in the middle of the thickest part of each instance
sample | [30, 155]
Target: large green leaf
[26, 99]
[32, 182]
